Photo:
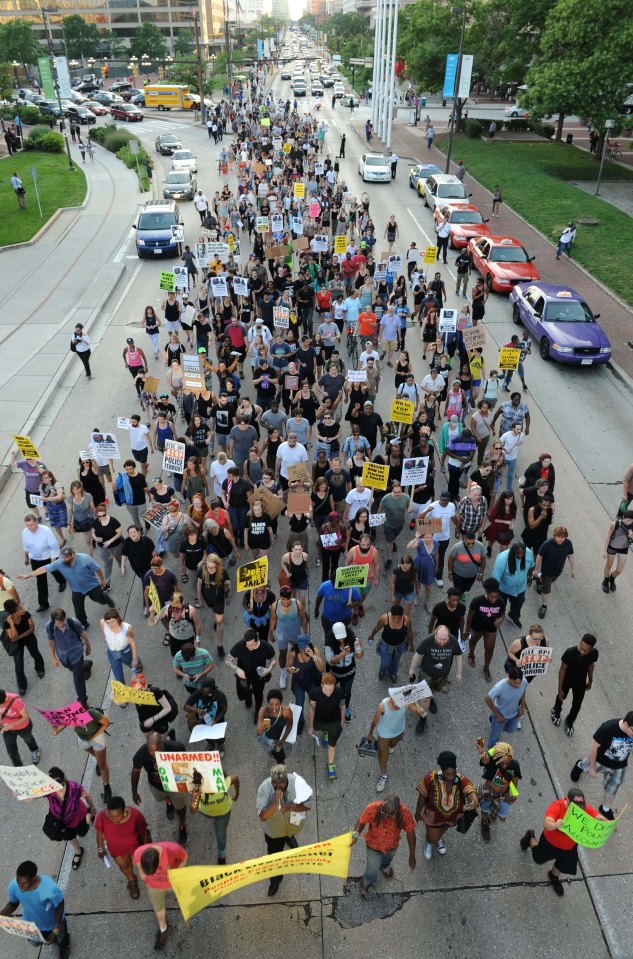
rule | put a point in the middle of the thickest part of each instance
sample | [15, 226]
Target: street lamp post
[51, 57]
[609, 125]
[460, 57]
[145, 61]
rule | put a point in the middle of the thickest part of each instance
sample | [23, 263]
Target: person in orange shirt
[367, 325]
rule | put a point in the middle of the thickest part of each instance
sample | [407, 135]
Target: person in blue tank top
[389, 722]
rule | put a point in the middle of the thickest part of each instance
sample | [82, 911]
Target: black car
[81, 115]
[179, 185]
[50, 109]
[87, 86]
[166, 143]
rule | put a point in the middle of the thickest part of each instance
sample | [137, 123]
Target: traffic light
[104, 72]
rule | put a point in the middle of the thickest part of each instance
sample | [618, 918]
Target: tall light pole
[609, 125]
[51, 57]
[460, 57]
[382, 107]
[378, 61]
[392, 75]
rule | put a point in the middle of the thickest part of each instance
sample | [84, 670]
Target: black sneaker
[221, 652]
[557, 884]
[433, 707]
[542, 612]
[576, 772]
[612, 585]
[420, 726]
[607, 813]
[170, 812]
[183, 838]
[569, 728]
[605, 584]
[221, 861]
[382, 674]
[555, 717]
[107, 793]
[524, 841]
[517, 622]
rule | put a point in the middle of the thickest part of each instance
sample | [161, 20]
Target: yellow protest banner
[26, 447]
[375, 475]
[299, 191]
[154, 597]
[252, 574]
[430, 254]
[340, 244]
[508, 358]
[402, 411]
[127, 694]
[199, 886]
[584, 829]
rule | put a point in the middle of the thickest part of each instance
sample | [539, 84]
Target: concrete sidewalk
[45, 291]
[615, 317]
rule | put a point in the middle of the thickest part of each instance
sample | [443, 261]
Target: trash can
[413, 118]
[569, 138]
[422, 101]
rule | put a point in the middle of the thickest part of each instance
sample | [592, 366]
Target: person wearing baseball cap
[84, 576]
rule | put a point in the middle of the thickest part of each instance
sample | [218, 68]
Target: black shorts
[186, 326]
[565, 860]
[333, 731]
[546, 583]
[141, 455]
[27, 497]
[610, 550]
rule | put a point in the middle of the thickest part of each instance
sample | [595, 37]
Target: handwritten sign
[72, 715]
[301, 243]
[340, 244]
[357, 376]
[377, 519]
[174, 457]
[167, 281]
[329, 539]
[28, 782]
[299, 503]
[584, 829]
[253, 574]
[299, 191]
[151, 384]
[26, 447]
[21, 927]
[130, 694]
[176, 771]
[508, 358]
[281, 317]
[474, 337]
[405, 695]
[375, 475]
[534, 660]
[273, 505]
[351, 576]
[402, 411]
[429, 524]
[430, 254]
[414, 471]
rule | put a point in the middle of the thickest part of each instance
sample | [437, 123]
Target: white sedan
[184, 160]
[374, 168]
[515, 111]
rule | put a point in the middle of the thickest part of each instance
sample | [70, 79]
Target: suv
[154, 229]
[442, 187]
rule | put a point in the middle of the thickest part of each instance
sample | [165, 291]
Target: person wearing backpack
[68, 642]
[18, 634]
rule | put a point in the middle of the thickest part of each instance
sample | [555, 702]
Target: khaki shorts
[178, 800]
[157, 897]
[384, 745]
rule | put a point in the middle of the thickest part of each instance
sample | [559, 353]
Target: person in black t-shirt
[485, 615]
[550, 563]
[235, 490]
[450, 613]
[253, 662]
[609, 753]
[435, 655]
[265, 381]
[145, 758]
[501, 773]
[575, 673]
[192, 550]
[327, 714]
[221, 422]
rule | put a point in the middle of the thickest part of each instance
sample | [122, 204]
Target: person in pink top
[153, 861]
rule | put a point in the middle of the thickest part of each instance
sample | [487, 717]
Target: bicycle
[613, 151]
[352, 346]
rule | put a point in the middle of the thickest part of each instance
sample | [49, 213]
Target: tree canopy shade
[346, 26]
[114, 44]
[185, 42]
[505, 35]
[427, 31]
[81, 38]
[148, 39]
[17, 42]
[584, 61]
[6, 81]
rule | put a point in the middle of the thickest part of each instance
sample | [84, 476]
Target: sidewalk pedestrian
[42, 903]
[387, 819]
[430, 136]
[565, 240]
[82, 150]
[575, 674]
[497, 198]
[609, 753]
[15, 721]
[80, 344]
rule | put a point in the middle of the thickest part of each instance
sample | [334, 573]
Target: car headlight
[562, 349]
[141, 242]
[605, 349]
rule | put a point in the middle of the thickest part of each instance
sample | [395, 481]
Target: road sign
[133, 144]
[359, 61]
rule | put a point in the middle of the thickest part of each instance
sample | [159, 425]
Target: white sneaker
[428, 851]
[282, 678]
[382, 782]
[439, 582]
[519, 724]
[441, 847]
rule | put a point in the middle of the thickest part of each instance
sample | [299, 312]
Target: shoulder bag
[54, 828]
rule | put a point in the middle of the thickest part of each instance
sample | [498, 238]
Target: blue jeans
[377, 861]
[238, 521]
[116, 661]
[511, 465]
[221, 826]
[390, 657]
[496, 728]
[503, 808]
[63, 939]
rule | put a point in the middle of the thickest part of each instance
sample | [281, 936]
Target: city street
[475, 897]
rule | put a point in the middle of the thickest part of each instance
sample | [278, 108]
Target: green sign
[584, 829]
[46, 77]
[351, 576]
[168, 281]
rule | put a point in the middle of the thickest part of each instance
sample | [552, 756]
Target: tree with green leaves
[6, 81]
[185, 42]
[583, 66]
[427, 32]
[81, 38]
[114, 44]
[150, 40]
[17, 42]
[346, 26]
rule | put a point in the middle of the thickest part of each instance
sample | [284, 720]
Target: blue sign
[260, 49]
[450, 76]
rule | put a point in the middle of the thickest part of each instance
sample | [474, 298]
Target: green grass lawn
[57, 187]
[534, 182]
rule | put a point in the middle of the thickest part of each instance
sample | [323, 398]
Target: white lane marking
[431, 240]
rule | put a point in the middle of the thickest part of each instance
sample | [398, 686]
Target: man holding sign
[42, 904]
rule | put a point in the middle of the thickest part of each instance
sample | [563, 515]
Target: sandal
[197, 603]
[471, 661]
[77, 858]
[184, 578]
[166, 638]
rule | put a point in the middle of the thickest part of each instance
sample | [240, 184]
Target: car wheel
[425, 201]
[161, 108]
[544, 348]
[514, 114]
[516, 315]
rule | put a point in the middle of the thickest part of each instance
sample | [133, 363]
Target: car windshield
[466, 216]
[568, 311]
[508, 254]
[177, 178]
[168, 139]
[446, 190]
[182, 155]
[156, 221]
[375, 161]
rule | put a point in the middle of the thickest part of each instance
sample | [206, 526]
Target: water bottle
[260, 670]
[358, 647]
[197, 642]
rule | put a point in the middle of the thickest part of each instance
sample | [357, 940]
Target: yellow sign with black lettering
[402, 411]
[508, 358]
[340, 244]
[253, 574]
[375, 475]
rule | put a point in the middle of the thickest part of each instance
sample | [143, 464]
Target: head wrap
[501, 752]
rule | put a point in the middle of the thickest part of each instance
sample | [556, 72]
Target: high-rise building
[318, 9]
[249, 10]
[279, 9]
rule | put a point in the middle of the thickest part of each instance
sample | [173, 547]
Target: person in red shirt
[358, 259]
[122, 829]
[324, 300]
[367, 320]
[152, 862]
[348, 270]
[554, 844]
[15, 721]
[387, 819]
[236, 333]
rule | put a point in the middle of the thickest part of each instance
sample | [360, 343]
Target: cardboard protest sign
[430, 254]
[155, 514]
[357, 376]
[402, 411]
[375, 475]
[474, 337]
[432, 524]
[240, 286]
[176, 771]
[447, 322]
[192, 373]
[299, 503]
[414, 471]
[377, 519]
[301, 243]
[508, 358]
[105, 445]
[28, 782]
[128, 694]
[274, 250]
[273, 505]
[584, 829]
[351, 576]
[534, 660]
[151, 384]
[405, 695]
[167, 281]
[199, 886]
[17, 926]
[252, 574]
[299, 191]
[281, 317]
[72, 715]
[174, 457]
[26, 447]
[298, 472]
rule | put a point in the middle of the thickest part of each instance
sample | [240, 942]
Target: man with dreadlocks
[501, 773]
[387, 820]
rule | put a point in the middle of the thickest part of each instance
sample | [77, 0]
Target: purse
[468, 818]
[11, 646]
[54, 828]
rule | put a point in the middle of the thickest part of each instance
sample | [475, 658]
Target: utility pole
[227, 43]
[199, 64]
[460, 58]
[51, 57]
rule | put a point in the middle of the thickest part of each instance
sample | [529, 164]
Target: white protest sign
[221, 251]
[219, 287]
[28, 782]
[377, 519]
[155, 514]
[181, 277]
[122, 423]
[178, 233]
[106, 445]
[405, 695]
[85, 455]
[329, 539]
[357, 376]
[395, 263]
[176, 771]
[240, 286]
[448, 321]
[535, 660]
[380, 273]
[174, 457]
[203, 254]
[277, 223]
[297, 225]
[414, 471]
[201, 732]
[320, 243]
[319, 169]
[281, 316]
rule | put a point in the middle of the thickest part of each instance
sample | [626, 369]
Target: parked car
[184, 160]
[87, 86]
[166, 143]
[465, 220]
[126, 111]
[374, 168]
[50, 109]
[81, 114]
[130, 95]
[77, 98]
[503, 262]
[119, 86]
[562, 324]
[419, 173]
[97, 108]
[179, 185]
[107, 98]
[440, 187]
[516, 111]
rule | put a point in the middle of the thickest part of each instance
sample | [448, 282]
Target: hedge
[118, 142]
[45, 139]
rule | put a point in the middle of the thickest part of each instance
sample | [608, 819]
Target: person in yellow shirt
[477, 366]
[217, 806]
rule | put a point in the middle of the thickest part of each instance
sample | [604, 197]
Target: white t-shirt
[445, 513]
[290, 456]
[218, 473]
[511, 444]
[357, 499]
[40, 544]
[137, 437]
[200, 202]
[365, 355]
[435, 385]
[410, 390]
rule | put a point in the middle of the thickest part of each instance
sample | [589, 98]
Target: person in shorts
[609, 753]
[92, 739]
[145, 758]
[485, 615]
[153, 862]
